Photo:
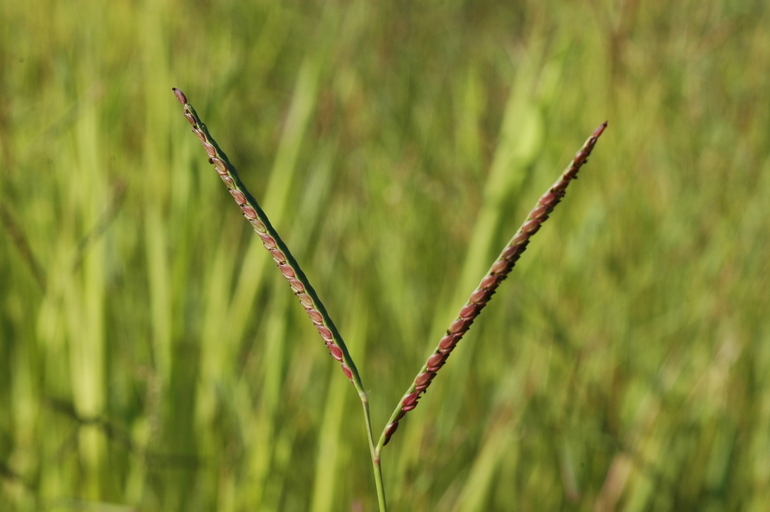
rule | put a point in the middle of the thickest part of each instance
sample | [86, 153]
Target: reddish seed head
[390, 429]
[326, 334]
[179, 95]
[278, 256]
[210, 151]
[479, 296]
[469, 310]
[248, 212]
[314, 315]
[599, 130]
[447, 342]
[531, 226]
[549, 199]
[299, 289]
[286, 270]
[336, 351]
[436, 359]
[267, 241]
[501, 267]
[219, 165]
[410, 399]
[538, 212]
[424, 378]
[488, 281]
[511, 251]
[304, 299]
[460, 325]
[346, 371]
[238, 196]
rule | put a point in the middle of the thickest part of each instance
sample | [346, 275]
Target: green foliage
[151, 357]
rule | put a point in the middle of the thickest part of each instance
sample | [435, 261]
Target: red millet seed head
[287, 271]
[500, 267]
[326, 334]
[460, 325]
[488, 282]
[424, 378]
[539, 212]
[511, 251]
[314, 314]
[519, 238]
[306, 301]
[435, 368]
[228, 181]
[479, 296]
[199, 134]
[335, 351]
[410, 398]
[580, 159]
[408, 408]
[267, 241]
[436, 360]
[179, 95]
[399, 416]
[469, 310]
[278, 257]
[549, 199]
[346, 371]
[447, 342]
[390, 429]
[298, 288]
[248, 212]
[190, 118]
[219, 165]
[238, 196]
[531, 226]
[210, 151]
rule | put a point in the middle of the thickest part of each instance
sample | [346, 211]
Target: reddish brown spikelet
[497, 273]
[179, 95]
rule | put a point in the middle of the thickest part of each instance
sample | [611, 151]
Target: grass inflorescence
[317, 312]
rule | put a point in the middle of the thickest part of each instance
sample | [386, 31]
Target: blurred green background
[152, 358]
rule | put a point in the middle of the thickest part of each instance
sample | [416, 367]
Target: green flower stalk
[317, 312]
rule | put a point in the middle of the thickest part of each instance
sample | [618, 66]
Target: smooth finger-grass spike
[481, 295]
[283, 258]
[316, 312]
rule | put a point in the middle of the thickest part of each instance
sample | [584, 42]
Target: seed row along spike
[483, 293]
[273, 243]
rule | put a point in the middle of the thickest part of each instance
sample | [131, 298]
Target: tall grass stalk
[315, 309]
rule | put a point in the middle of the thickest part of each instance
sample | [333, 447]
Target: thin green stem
[375, 455]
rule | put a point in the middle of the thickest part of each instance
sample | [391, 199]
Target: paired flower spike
[315, 309]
